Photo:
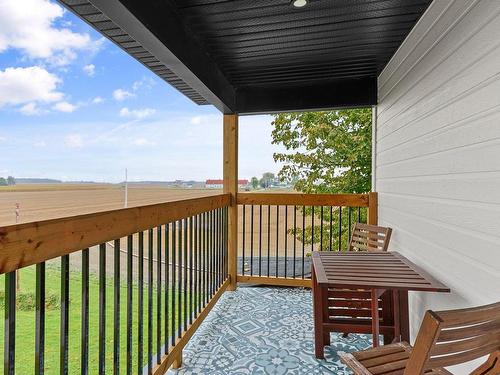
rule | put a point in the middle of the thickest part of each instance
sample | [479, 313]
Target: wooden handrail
[298, 199]
[26, 244]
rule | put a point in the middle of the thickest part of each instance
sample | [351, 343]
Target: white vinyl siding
[438, 152]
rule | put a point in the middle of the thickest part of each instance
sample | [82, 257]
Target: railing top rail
[298, 199]
[26, 244]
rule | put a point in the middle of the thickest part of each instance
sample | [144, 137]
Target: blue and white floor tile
[257, 331]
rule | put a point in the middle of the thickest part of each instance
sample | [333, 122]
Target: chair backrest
[369, 238]
[448, 338]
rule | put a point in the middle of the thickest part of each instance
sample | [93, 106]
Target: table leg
[404, 319]
[375, 317]
[318, 317]
[396, 315]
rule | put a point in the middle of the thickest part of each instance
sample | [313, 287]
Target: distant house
[218, 184]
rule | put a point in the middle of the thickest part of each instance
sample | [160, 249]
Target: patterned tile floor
[262, 330]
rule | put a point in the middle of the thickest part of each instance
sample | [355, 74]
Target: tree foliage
[266, 180]
[254, 182]
[326, 152]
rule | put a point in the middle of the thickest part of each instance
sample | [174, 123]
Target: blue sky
[74, 106]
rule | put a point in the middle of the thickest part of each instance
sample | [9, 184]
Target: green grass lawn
[25, 324]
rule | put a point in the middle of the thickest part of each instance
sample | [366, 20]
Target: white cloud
[89, 70]
[142, 142]
[28, 25]
[120, 94]
[196, 120]
[137, 113]
[73, 141]
[40, 144]
[2, 139]
[30, 109]
[32, 84]
[64, 107]
[97, 100]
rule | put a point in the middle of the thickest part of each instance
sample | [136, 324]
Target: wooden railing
[183, 246]
[278, 231]
[160, 269]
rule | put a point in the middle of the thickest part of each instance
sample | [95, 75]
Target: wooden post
[177, 363]
[373, 208]
[230, 172]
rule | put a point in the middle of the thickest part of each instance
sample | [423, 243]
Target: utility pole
[126, 188]
[18, 272]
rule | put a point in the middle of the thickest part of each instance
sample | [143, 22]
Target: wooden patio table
[374, 271]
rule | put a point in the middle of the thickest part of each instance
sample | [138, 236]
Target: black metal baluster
[195, 267]
[216, 247]
[84, 347]
[102, 308]
[268, 239]
[294, 239]
[349, 222]
[10, 324]
[150, 300]
[116, 308]
[179, 291]
[220, 248]
[63, 353]
[129, 303]
[167, 281]
[226, 242]
[277, 240]
[199, 270]
[191, 270]
[359, 215]
[214, 251]
[321, 230]
[303, 239]
[173, 296]
[340, 229]
[331, 229]
[140, 305]
[260, 240]
[210, 254]
[205, 256]
[251, 240]
[185, 257]
[158, 295]
[312, 228]
[40, 320]
[243, 243]
[286, 240]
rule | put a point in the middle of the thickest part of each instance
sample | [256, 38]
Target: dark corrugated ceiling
[266, 42]
[293, 58]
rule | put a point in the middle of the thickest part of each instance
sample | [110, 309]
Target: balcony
[175, 285]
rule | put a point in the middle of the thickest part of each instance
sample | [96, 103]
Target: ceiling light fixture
[299, 3]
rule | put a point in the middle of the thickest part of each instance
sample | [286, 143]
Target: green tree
[3, 181]
[254, 182]
[267, 179]
[326, 152]
[11, 180]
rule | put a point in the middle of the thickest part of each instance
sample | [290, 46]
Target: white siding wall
[438, 152]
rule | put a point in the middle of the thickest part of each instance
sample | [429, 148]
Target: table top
[372, 270]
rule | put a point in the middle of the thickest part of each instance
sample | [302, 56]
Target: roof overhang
[260, 56]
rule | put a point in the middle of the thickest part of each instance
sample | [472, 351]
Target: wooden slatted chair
[446, 338]
[369, 238]
[350, 310]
